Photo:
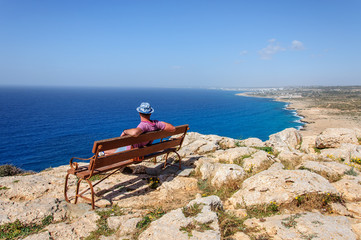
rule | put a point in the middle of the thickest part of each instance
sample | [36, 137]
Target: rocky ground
[289, 187]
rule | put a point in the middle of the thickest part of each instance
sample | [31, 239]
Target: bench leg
[66, 188]
[77, 190]
[166, 158]
[180, 159]
[92, 193]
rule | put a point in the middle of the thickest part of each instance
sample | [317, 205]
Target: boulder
[336, 154]
[226, 143]
[78, 229]
[306, 225]
[349, 187]
[287, 139]
[193, 147]
[220, 174]
[308, 144]
[209, 147]
[224, 173]
[330, 169]
[176, 226]
[32, 211]
[253, 142]
[280, 186]
[354, 208]
[334, 137]
[276, 166]
[178, 183]
[290, 158]
[40, 236]
[233, 154]
[258, 161]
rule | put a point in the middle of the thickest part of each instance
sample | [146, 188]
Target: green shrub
[18, 229]
[9, 170]
[351, 172]
[148, 218]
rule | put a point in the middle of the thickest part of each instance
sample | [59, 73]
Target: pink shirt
[147, 126]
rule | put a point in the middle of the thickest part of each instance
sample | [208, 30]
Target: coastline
[315, 119]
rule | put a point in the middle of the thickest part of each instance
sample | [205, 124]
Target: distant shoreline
[289, 103]
[316, 119]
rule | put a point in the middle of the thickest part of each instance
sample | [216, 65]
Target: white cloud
[272, 48]
[244, 52]
[297, 45]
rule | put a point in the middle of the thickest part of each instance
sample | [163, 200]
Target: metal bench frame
[115, 162]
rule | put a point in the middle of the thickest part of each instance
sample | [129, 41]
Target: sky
[184, 43]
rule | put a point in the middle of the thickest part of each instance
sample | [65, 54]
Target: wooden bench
[110, 164]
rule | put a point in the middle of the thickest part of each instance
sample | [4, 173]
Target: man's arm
[169, 127]
[134, 132]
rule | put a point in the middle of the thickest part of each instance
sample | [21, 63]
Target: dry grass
[310, 201]
[193, 210]
[229, 224]
[197, 226]
[223, 192]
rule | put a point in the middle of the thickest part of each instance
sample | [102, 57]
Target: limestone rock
[276, 166]
[357, 229]
[340, 209]
[192, 148]
[32, 211]
[290, 156]
[219, 173]
[173, 225]
[304, 226]
[334, 137]
[331, 169]
[280, 186]
[240, 236]
[354, 208]
[226, 143]
[224, 173]
[349, 187]
[336, 154]
[233, 154]
[258, 161]
[77, 229]
[253, 142]
[179, 183]
[358, 132]
[39, 236]
[289, 139]
[308, 144]
[126, 224]
[209, 147]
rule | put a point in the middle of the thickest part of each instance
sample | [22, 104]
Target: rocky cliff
[289, 187]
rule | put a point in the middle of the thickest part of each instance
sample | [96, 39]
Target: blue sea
[45, 127]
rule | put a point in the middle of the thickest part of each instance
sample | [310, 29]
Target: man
[145, 125]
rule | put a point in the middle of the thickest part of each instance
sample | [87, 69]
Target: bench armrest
[74, 165]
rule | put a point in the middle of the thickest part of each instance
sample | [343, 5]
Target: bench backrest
[113, 143]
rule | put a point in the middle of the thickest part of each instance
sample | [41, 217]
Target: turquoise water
[45, 127]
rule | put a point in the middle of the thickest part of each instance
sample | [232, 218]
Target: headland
[319, 107]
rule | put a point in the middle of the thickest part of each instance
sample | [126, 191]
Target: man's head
[145, 108]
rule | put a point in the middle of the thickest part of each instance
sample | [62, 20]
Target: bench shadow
[139, 185]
